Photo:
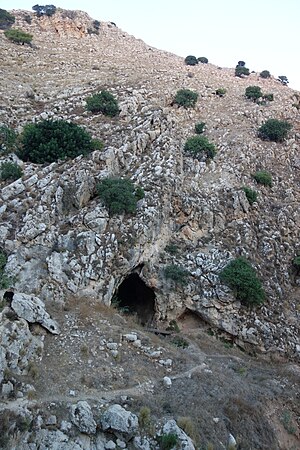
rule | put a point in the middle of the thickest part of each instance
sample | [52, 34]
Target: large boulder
[121, 422]
[33, 310]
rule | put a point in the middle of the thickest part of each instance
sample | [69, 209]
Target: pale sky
[263, 33]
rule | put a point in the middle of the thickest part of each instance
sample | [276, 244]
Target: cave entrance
[135, 297]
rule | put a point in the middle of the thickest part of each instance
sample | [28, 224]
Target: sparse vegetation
[176, 274]
[203, 60]
[48, 141]
[168, 441]
[186, 98]
[171, 248]
[221, 92]
[180, 342]
[268, 97]
[144, 417]
[18, 36]
[6, 19]
[265, 74]
[188, 426]
[119, 195]
[274, 130]
[4, 280]
[199, 127]
[8, 139]
[191, 60]
[103, 102]
[250, 194]
[241, 277]
[253, 92]
[263, 177]
[10, 171]
[199, 146]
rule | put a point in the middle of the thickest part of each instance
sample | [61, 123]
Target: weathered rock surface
[33, 310]
[119, 421]
[184, 442]
[82, 417]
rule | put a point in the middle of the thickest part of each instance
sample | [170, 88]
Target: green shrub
[191, 60]
[203, 60]
[4, 280]
[241, 70]
[180, 342]
[18, 36]
[283, 80]
[119, 195]
[47, 10]
[197, 146]
[47, 141]
[103, 102]
[144, 417]
[97, 144]
[186, 98]
[250, 194]
[263, 177]
[296, 262]
[6, 19]
[268, 97]
[265, 74]
[253, 92]
[171, 248]
[167, 441]
[10, 171]
[241, 277]
[274, 130]
[241, 64]
[7, 139]
[221, 92]
[176, 274]
[199, 127]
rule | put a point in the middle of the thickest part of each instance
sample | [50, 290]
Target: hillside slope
[65, 249]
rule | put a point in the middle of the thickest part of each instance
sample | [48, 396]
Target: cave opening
[135, 297]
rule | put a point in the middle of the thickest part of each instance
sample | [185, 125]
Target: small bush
[18, 36]
[296, 262]
[250, 194]
[268, 97]
[180, 342]
[186, 98]
[4, 280]
[119, 195]
[103, 102]
[144, 417]
[199, 127]
[265, 74]
[171, 248]
[47, 141]
[241, 64]
[283, 80]
[274, 130]
[47, 10]
[188, 426]
[97, 144]
[176, 274]
[197, 146]
[253, 92]
[221, 92]
[203, 60]
[241, 71]
[6, 19]
[8, 139]
[10, 171]
[191, 60]
[167, 441]
[241, 277]
[263, 177]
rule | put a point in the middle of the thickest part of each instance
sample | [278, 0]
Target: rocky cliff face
[61, 242]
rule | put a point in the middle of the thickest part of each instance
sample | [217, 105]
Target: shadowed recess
[136, 297]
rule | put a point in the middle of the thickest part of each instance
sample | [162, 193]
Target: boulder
[33, 310]
[123, 423]
[82, 417]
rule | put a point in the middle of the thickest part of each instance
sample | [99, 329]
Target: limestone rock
[82, 417]
[119, 421]
[33, 310]
[184, 441]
